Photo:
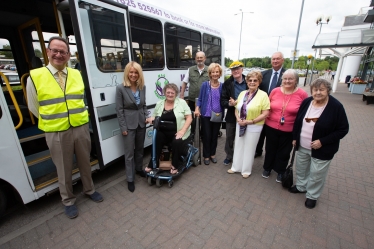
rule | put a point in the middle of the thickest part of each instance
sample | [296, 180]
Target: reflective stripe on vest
[58, 110]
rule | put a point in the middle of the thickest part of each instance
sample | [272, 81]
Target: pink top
[290, 102]
[307, 128]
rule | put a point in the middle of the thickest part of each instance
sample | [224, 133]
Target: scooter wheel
[150, 183]
[171, 183]
[196, 159]
[158, 182]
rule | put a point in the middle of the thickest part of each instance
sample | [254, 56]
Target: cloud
[270, 19]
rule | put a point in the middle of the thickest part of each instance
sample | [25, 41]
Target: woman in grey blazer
[131, 112]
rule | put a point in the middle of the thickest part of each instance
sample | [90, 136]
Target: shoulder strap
[292, 157]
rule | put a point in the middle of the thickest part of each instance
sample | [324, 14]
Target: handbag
[215, 117]
[287, 179]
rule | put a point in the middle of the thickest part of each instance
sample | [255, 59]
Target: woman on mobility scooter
[175, 126]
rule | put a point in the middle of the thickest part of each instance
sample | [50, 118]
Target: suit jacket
[129, 114]
[266, 76]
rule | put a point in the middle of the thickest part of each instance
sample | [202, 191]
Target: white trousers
[244, 151]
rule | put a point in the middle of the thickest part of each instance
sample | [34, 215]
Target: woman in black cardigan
[320, 124]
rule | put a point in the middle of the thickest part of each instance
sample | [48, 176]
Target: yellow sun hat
[236, 64]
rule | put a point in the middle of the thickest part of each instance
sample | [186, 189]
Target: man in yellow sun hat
[231, 89]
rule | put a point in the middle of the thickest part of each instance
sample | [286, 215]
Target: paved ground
[208, 208]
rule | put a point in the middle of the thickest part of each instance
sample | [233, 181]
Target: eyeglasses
[311, 119]
[56, 51]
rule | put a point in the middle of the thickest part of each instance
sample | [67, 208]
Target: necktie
[274, 81]
[61, 80]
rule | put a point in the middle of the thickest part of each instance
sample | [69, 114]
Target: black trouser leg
[161, 140]
[210, 132]
[278, 148]
[191, 104]
[179, 148]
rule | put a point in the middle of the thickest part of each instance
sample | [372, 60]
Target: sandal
[173, 170]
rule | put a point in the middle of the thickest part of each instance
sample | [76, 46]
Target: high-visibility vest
[59, 110]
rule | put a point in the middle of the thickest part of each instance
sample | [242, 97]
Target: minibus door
[103, 42]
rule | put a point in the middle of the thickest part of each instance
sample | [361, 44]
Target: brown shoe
[245, 176]
[230, 171]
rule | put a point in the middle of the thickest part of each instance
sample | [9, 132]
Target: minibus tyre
[3, 201]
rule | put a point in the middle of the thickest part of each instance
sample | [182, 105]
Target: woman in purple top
[209, 100]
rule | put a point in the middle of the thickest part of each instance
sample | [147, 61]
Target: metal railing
[18, 110]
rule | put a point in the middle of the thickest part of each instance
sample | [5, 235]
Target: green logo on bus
[160, 83]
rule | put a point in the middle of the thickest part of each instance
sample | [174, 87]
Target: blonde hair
[137, 67]
[213, 66]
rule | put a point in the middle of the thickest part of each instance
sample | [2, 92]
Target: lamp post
[307, 68]
[279, 36]
[319, 22]
[297, 35]
[241, 26]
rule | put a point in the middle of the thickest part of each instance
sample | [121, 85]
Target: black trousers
[210, 132]
[278, 149]
[191, 104]
[179, 148]
[134, 147]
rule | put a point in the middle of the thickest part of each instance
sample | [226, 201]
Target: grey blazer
[129, 114]
[266, 76]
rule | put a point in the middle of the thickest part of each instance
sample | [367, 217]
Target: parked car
[13, 78]
[7, 67]
[13, 68]
[2, 66]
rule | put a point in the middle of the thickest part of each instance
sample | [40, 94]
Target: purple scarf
[243, 111]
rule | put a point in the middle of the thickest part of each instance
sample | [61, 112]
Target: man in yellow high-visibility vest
[56, 96]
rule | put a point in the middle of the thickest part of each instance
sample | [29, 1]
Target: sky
[270, 22]
[271, 19]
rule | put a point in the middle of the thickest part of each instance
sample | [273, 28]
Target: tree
[248, 64]
[266, 62]
[334, 66]
[322, 65]
[287, 63]
[301, 62]
[228, 61]
[8, 54]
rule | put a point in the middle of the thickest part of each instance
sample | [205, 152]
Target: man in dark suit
[271, 79]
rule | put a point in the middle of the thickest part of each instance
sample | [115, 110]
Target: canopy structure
[343, 44]
[346, 38]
